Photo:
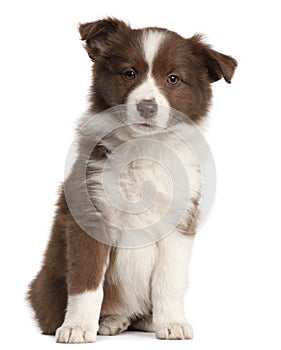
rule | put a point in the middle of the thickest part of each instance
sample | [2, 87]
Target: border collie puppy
[91, 282]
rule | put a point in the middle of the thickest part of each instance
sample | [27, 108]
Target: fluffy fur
[86, 286]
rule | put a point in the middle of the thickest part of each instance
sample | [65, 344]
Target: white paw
[174, 331]
[113, 325]
[75, 334]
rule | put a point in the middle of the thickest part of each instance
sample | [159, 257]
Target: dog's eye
[173, 79]
[129, 75]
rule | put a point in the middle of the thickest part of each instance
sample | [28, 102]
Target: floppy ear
[217, 64]
[100, 34]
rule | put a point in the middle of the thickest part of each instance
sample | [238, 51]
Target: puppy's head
[151, 70]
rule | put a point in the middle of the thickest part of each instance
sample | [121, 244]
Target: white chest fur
[136, 187]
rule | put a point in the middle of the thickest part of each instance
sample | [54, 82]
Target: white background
[235, 289]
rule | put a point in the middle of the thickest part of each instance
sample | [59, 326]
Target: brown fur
[48, 291]
[73, 261]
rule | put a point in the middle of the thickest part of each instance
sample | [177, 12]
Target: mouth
[146, 125]
[144, 128]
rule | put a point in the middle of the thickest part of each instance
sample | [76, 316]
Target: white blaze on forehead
[148, 89]
[152, 40]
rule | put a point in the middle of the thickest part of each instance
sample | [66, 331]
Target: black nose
[147, 109]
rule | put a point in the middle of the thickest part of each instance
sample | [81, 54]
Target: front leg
[169, 284]
[81, 319]
[87, 261]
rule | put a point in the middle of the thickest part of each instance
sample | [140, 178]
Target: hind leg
[113, 325]
[48, 296]
[144, 324]
[48, 291]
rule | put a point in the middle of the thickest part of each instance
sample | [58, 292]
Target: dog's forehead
[151, 43]
[161, 46]
[148, 47]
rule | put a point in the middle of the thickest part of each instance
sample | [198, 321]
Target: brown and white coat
[86, 286]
